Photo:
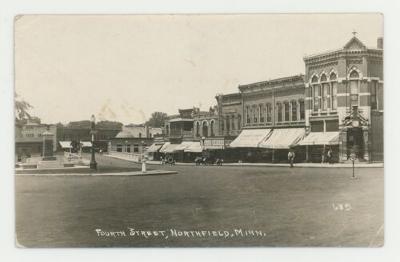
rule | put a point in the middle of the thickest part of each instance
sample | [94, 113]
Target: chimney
[380, 43]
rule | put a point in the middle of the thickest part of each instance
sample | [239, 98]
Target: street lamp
[93, 164]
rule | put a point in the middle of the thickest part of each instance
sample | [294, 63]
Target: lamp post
[93, 163]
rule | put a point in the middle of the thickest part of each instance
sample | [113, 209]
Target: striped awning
[283, 138]
[65, 144]
[86, 144]
[154, 148]
[320, 138]
[194, 147]
[250, 138]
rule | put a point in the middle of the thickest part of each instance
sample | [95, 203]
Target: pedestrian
[291, 156]
[329, 156]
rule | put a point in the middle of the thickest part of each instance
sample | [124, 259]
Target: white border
[9, 8]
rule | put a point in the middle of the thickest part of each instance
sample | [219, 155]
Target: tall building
[344, 94]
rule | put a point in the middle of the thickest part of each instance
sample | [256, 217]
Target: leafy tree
[157, 119]
[21, 109]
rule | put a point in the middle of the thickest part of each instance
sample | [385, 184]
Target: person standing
[329, 156]
[291, 157]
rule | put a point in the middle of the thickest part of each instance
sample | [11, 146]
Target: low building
[29, 139]
[77, 135]
[133, 140]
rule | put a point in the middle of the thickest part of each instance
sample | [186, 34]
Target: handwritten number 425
[341, 206]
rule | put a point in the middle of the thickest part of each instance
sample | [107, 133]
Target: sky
[124, 67]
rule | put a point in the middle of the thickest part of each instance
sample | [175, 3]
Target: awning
[170, 148]
[320, 138]
[250, 138]
[86, 144]
[65, 144]
[283, 138]
[194, 147]
[153, 148]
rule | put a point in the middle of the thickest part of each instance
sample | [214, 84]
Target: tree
[157, 119]
[21, 109]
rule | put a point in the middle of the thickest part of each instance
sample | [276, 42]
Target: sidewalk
[336, 165]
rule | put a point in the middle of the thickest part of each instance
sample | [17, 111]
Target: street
[246, 206]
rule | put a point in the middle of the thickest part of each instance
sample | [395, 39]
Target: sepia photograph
[199, 130]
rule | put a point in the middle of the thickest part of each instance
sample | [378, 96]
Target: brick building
[344, 100]
[273, 119]
[29, 139]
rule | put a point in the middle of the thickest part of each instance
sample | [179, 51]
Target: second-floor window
[286, 111]
[279, 105]
[374, 91]
[269, 112]
[294, 110]
[302, 109]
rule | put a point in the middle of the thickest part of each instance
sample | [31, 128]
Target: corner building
[344, 94]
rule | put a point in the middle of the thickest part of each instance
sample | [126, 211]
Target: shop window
[128, 148]
[135, 148]
[119, 148]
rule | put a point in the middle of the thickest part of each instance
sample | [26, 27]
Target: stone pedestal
[47, 150]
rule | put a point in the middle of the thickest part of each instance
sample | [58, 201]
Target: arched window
[294, 110]
[354, 74]
[325, 90]
[197, 129]
[255, 114]
[205, 129]
[233, 122]
[314, 79]
[354, 86]
[333, 93]
[269, 112]
[212, 128]
[279, 105]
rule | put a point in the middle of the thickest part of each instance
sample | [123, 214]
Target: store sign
[214, 144]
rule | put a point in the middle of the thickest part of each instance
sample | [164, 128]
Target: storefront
[317, 144]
